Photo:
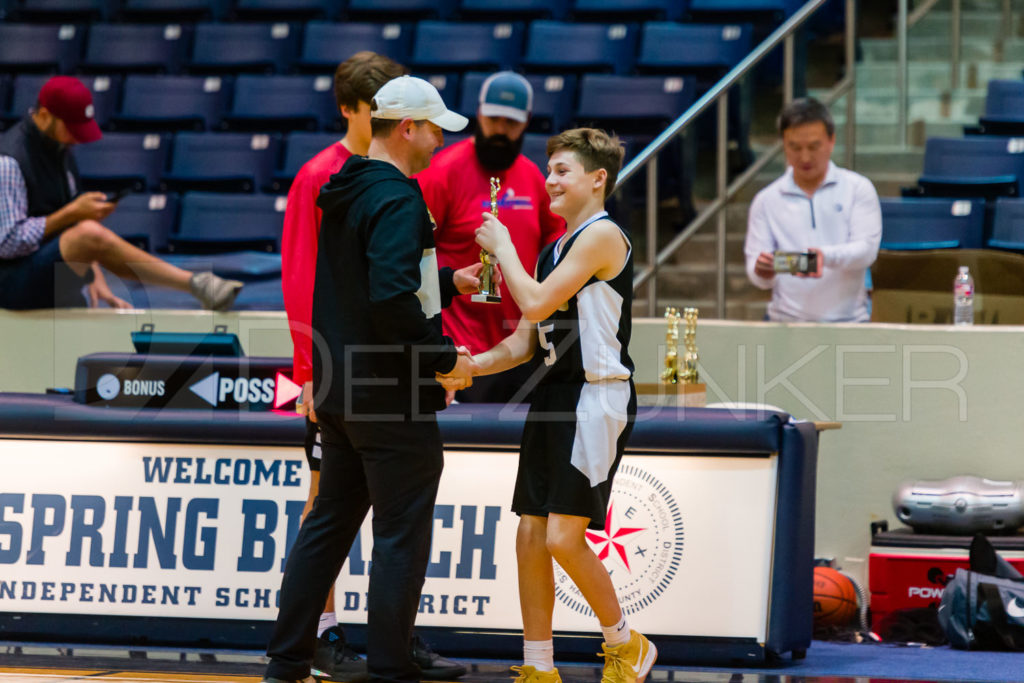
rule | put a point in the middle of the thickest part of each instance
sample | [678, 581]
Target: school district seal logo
[641, 544]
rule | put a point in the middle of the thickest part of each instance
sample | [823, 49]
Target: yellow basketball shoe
[529, 674]
[629, 662]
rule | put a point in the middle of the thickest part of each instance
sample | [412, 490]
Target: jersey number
[542, 335]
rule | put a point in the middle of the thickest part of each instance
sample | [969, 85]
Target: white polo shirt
[843, 219]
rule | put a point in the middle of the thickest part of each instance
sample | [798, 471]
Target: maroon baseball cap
[69, 100]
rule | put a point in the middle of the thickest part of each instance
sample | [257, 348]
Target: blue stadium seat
[175, 10]
[213, 222]
[640, 107]
[172, 103]
[136, 47]
[974, 166]
[283, 103]
[327, 44]
[632, 103]
[265, 48]
[119, 160]
[145, 220]
[387, 10]
[447, 85]
[628, 10]
[1008, 225]
[300, 147]
[712, 50]
[514, 9]
[715, 47]
[287, 9]
[25, 92]
[467, 45]
[1004, 108]
[222, 162]
[261, 272]
[556, 46]
[535, 148]
[40, 47]
[554, 99]
[931, 223]
[6, 87]
[714, 8]
[67, 10]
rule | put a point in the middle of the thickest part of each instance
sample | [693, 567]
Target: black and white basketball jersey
[587, 338]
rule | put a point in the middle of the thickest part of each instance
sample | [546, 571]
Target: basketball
[835, 598]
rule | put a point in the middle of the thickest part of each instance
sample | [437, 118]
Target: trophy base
[680, 395]
[486, 298]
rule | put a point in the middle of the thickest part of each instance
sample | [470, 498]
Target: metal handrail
[719, 95]
[729, 80]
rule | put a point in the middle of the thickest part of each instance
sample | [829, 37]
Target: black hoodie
[376, 300]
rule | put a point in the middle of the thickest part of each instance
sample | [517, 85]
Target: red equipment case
[907, 570]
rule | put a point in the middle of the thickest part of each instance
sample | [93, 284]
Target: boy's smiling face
[568, 184]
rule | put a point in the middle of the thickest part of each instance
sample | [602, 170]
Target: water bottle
[963, 298]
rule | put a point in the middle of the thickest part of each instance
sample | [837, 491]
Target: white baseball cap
[416, 99]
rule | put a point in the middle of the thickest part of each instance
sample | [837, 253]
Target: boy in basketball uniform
[577, 311]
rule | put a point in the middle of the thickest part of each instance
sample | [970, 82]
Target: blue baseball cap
[507, 94]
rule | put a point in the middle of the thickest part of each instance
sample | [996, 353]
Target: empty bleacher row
[257, 103]
[221, 10]
[208, 103]
[971, 191]
[318, 46]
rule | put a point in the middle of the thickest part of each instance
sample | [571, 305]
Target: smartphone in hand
[115, 197]
[794, 262]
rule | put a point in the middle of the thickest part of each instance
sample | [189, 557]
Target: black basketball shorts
[572, 443]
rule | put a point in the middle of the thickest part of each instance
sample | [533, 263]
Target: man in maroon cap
[51, 238]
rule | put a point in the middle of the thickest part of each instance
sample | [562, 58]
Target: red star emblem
[607, 539]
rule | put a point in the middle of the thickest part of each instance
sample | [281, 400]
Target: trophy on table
[680, 382]
[488, 292]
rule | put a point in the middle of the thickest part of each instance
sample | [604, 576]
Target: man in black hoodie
[377, 308]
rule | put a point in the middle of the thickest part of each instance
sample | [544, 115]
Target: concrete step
[702, 249]
[885, 109]
[924, 48]
[935, 74]
[973, 24]
[886, 133]
[1013, 51]
[747, 307]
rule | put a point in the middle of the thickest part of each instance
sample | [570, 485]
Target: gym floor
[39, 664]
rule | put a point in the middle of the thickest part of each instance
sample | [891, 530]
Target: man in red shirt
[457, 189]
[356, 81]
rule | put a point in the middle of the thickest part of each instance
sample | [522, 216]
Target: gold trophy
[670, 375]
[690, 374]
[488, 292]
[680, 385]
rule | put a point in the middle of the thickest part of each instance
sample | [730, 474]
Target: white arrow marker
[206, 389]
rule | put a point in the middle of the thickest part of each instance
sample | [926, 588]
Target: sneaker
[629, 662]
[271, 679]
[528, 674]
[335, 660]
[213, 292]
[434, 667]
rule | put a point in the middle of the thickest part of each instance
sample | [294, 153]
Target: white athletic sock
[617, 634]
[327, 620]
[540, 654]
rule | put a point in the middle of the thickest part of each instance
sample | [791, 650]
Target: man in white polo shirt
[818, 208]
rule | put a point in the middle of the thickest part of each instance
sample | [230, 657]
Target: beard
[497, 152]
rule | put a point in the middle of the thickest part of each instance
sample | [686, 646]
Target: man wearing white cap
[457, 190]
[376, 306]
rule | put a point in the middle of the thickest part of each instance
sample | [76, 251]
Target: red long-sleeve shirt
[298, 252]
